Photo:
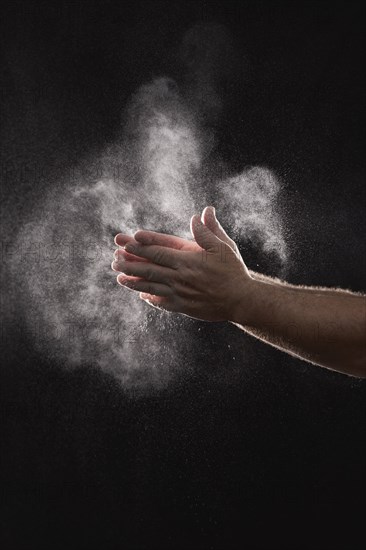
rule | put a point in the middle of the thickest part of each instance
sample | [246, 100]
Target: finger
[151, 237]
[145, 270]
[131, 278]
[160, 255]
[159, 302]
[122, 254]
[204, 237]
[122, 238]
[145, 286]
[209, 219]
[145, 296]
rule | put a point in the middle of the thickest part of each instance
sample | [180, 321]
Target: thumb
[209, 219]
[203, 235]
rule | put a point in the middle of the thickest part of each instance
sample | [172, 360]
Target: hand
[171, 241]
[201, 278]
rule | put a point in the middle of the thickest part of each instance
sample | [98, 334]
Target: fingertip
[209, 210]
[119, 252]
[204, 214]
[139, 235]
[131, 248]
[208, 217]
[212, 213]
[122, 238]
[120, 279]
[195, 219]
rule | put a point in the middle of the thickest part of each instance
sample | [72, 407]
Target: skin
[207, 279]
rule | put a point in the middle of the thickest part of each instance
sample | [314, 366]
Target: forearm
[324, 326]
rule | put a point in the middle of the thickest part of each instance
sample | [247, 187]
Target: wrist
[246, 302]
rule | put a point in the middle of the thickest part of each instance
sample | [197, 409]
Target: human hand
[201, 278]
[171, 241]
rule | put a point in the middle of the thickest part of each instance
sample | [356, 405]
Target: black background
[277, 463]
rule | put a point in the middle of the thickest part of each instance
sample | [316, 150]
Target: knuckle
[149, 275]
[175, 265]
[182, 282]
[158, 256]
[187, 275]
[183, 278]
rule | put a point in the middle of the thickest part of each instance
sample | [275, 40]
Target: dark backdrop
[277, 463]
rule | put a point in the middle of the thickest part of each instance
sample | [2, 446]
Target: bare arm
[207, 279]
[324, 326]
